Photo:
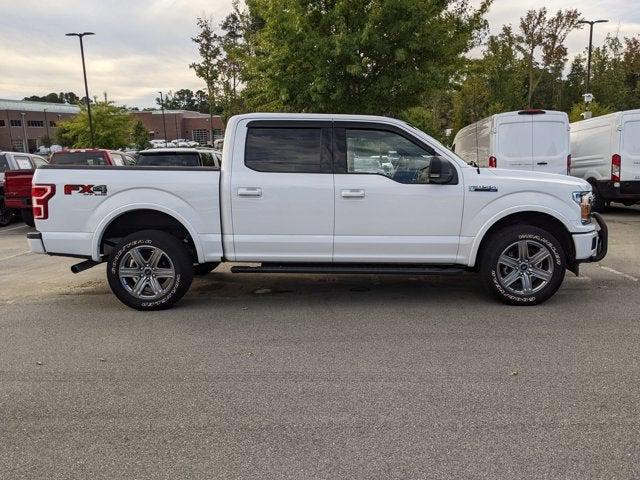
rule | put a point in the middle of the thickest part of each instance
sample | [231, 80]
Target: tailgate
[17, 188]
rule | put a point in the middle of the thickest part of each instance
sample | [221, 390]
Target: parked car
[288, 198]
[16, 173]
[536, 140]
[91, 157]
[179, 157]
[606, 152]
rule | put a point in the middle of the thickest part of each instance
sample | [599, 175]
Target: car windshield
[78, 158]
[166, 159]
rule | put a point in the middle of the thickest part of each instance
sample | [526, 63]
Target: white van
[606, 153]
[535, 140]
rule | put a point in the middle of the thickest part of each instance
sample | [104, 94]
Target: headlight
[584, 199]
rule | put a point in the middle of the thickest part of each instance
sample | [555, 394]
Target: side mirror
[440, 171]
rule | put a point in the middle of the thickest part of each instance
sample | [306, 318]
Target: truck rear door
[514, 142]
[282, 191]
[550, 133]
[630, 149]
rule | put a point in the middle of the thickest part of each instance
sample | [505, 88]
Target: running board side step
[350, 268]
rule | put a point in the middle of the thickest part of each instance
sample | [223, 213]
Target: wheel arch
[534, 218]
[127, 220]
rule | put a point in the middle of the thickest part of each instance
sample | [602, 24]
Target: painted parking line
[622, 274]
[14, 256]
[4, 230]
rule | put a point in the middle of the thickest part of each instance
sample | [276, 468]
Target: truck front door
[282, 192]
[387, 208]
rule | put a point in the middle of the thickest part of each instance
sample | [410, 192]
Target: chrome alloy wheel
[525, 267]
[146, 272]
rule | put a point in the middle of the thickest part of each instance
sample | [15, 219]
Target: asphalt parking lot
[302, 377]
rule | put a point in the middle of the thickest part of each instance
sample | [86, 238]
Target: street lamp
[164, 124]
[86, 88]
[590, 23]
[25, 144]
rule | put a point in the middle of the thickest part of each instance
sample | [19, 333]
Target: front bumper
[34, 239]
[592, 246]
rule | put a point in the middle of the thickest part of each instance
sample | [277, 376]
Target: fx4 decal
[99, 190]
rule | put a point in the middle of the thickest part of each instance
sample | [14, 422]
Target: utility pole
[86, 87]
[46, 124]
[591, 23]
[25, 143]
[164, 123]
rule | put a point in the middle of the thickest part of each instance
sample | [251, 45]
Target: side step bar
[352, 268]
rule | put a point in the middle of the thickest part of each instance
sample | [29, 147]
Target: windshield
[78, 158]
[164, 159]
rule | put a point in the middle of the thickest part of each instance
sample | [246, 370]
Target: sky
[144, 46]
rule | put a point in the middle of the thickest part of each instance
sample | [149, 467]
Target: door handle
[357, 193]
[543, 163]
[249, 192]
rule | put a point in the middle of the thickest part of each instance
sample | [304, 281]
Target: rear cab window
[168, 159]
[78, 158]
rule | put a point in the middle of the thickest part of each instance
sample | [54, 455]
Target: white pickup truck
[310, 193]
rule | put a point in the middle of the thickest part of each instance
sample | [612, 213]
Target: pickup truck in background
[179, 157]
[16, 173]
[307, 193]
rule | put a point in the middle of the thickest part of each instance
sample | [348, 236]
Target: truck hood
[577, 184]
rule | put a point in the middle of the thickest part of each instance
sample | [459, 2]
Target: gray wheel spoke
[511, 278]
[129, 272]
[523, 250]
[155, 286]
[164, 273]
[139, 286]
[541, 274]
[137, 257]
[526, 283]
[508, 261]
[539, 257]
[155, 257]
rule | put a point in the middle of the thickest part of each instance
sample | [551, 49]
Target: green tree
[139, 135]
[596, 110]
[112, 126]
[353, 56]
[208, 69]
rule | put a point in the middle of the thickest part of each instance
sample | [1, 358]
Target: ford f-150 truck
[310, 193]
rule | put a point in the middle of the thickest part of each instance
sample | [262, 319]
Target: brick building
[24, 124]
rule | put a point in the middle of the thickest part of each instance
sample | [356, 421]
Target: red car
[17, 189]
[16, 172]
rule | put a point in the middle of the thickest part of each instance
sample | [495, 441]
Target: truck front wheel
[149, 270]
[523, 265]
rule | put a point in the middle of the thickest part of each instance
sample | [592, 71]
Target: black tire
[204, 268]
[6, 214]
[599, 204]
[527, 286]
[159, 289]
[27, 217]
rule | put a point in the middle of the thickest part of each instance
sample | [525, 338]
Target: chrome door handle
[356, 193]
[249, 192]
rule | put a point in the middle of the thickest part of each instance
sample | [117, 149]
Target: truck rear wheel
[6, 214]
[523, 265]
[149, 270]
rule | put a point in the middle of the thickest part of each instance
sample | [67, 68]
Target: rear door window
[550, 139]
[167, 159]
[284, 150]
[78, 158]
[24, 163]
[4, 163]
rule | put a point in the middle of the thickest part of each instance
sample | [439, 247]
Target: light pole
[591, 23]
[25, 143]
[46, 124]
[86, 87]
[164, 124]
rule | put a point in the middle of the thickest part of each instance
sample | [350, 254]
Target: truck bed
[88, 199]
